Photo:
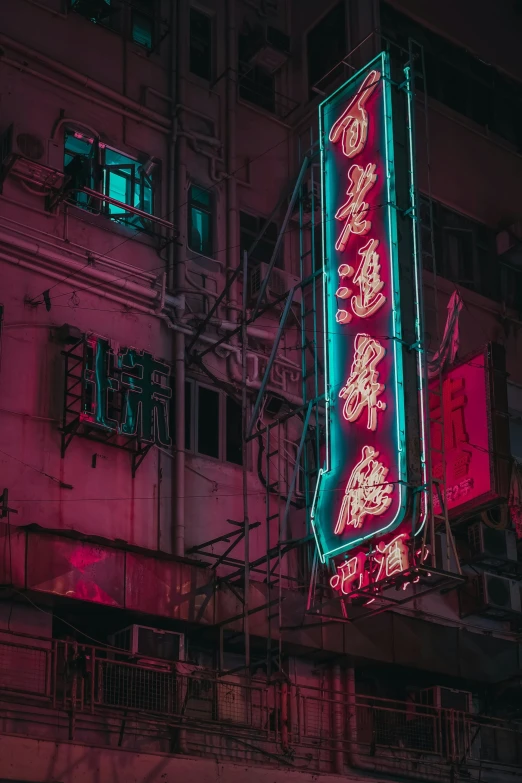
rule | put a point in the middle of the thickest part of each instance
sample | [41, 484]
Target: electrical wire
[168, 214]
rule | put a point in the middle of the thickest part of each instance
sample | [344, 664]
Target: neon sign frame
[343, 448]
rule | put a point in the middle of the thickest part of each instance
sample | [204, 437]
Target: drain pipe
[337, 718]
[352, 718]
[232, 257]
[178, 183]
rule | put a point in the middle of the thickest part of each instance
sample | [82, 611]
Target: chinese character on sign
[146, 399]
[368, 278]
[350, 575]
[362, 388]
[453, 400]
[98, 383]
[352, 125]
[355, 209]
[141, 385]
[366, 493]
[368, 568]
[392, 558]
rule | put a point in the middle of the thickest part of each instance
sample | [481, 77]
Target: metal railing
[299, 725]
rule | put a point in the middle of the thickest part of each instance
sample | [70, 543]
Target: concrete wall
[42, 760]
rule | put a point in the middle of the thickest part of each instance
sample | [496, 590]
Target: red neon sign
[368, 570]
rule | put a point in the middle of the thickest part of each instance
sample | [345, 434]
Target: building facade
[163, 609]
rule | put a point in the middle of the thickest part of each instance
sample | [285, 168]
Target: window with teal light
[200, 220]
[79, 165]
[142, 22]
[107, 171]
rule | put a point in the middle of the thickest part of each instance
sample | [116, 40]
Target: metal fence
[280, 720]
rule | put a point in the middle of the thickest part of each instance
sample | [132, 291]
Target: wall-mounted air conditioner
[145, 642]
[447, 698]
[310, 197]
[280, 282]
[491, 596]
[266, 47]
[491, 545]
[509, 243]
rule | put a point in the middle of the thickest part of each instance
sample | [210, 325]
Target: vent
[490, 545]
[146, 642]
[447, 698]
[280, 282]
[266, 47]
[492, 596]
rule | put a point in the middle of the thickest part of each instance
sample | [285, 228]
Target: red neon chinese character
[355, 209]
[352, 125]
[366, 492]
[368, 278]
[392, 558]
[362, 387]
[348, 574]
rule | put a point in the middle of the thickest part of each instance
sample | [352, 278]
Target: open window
[95, 168]
[143, 21]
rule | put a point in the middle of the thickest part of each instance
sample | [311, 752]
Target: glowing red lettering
[352, 125]
[366, 493]
[362, 388]
[355, 209]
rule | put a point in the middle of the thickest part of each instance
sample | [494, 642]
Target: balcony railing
[105, 695]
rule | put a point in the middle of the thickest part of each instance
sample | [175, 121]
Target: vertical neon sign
[361, 492]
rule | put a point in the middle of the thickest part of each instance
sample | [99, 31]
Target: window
[460, 80]
[97, 11]
[249, 229]
[200, 219]
[257, 86]
[79, 164]
[142, 22]
[200, 44]
[90, 164]
[326, 46]
[464, 250]
[213, 424]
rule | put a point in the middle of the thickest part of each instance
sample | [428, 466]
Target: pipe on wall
[178, 181]
[112, 107]
[337, 718]
[86, 276]
[86, 83]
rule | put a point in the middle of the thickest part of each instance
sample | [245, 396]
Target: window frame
[192, 386]
[100, 172]
[311, 94]
[210, 211]
[261, 220]
[211, 19]
[152, 15]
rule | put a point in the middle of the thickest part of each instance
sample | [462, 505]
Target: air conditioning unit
[509, 243]
[280, 282]
[145, 643]
[491, 545]
[266, 47]
[447, 699]
[310, 195]
[492, 596]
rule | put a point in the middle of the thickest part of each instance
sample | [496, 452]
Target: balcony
[102, 696]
